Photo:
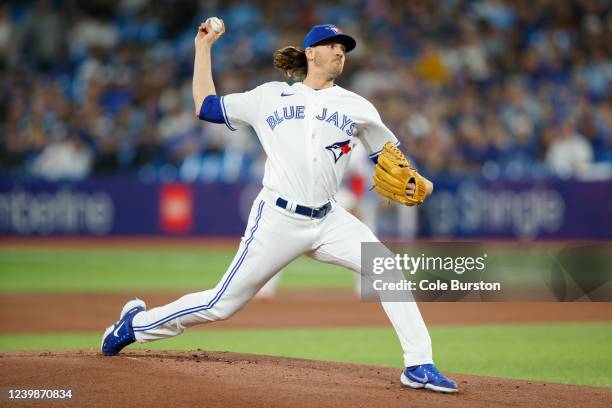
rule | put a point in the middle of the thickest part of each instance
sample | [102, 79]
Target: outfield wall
[466, 208]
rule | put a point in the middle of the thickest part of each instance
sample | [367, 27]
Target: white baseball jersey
[307, 134]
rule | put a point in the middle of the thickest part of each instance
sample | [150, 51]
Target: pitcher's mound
[198, 379]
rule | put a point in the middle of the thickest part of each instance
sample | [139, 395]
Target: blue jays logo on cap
[320, 33]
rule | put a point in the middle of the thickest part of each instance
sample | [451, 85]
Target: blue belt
[306, 211]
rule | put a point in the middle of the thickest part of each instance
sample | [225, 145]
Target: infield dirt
[44, 313]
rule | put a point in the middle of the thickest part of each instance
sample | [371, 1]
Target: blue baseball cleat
[121, 334]
[427, 376]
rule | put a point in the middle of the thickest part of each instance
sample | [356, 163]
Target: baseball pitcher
[308, 130]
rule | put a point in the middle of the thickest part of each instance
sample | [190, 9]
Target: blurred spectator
[44, 36]
[6, 37]
[431, 67]
[569, 153]
[63, 159]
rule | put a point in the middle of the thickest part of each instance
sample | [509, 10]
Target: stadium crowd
[497, 88]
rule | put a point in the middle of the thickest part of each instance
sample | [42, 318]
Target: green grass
[108, 270]
[31, 269]
[563, 353]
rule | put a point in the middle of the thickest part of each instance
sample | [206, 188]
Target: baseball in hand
[215, 24]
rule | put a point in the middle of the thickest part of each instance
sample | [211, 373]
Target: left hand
[411, 188]
[396, 180]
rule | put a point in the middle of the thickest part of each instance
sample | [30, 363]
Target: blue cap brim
[348, 41]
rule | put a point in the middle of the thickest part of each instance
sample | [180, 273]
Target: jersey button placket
[315, 149]
[317, 107]
[313, 146]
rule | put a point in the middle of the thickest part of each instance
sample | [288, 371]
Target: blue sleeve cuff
[374, 156]
[211, 111]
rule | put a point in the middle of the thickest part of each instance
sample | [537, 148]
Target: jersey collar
[306, 88]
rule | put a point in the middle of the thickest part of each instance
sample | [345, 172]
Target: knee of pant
[225, 313]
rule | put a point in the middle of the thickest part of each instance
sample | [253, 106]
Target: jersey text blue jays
[338, 119]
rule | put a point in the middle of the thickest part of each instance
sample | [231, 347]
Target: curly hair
[291, 61]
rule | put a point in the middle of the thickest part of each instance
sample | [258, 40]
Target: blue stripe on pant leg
[216, 298]
[221, 291]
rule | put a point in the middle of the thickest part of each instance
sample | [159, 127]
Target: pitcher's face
[329, 58]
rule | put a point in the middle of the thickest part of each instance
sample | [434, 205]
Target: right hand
[206, 35]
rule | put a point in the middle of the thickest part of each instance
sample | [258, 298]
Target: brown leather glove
[392, 175]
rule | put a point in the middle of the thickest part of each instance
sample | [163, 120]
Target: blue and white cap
[320, 33]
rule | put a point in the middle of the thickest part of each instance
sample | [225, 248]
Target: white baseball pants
[273, 238]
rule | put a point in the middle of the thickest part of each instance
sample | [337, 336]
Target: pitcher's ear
[309, 51]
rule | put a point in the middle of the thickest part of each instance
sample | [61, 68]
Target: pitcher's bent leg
[251, 268]
[341, 245]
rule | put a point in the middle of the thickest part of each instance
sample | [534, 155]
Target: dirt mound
[199, 378]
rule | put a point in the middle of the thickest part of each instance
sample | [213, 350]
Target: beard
[333, 68]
